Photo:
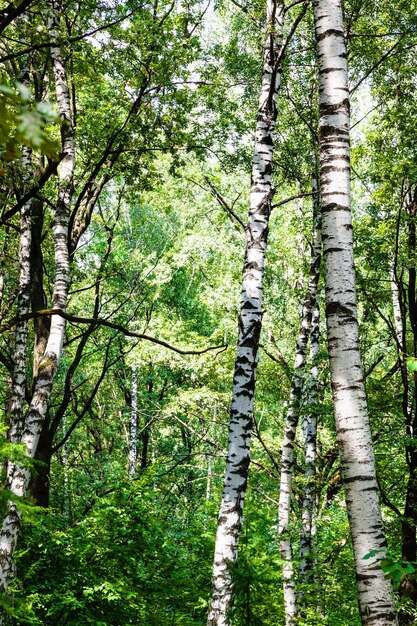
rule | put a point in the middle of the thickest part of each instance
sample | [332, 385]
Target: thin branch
[87, 405]
[100, 322]
[387, 501]
[11, 12]
[66, 41]
[221, 200]
[274, 462]
[290, 35]
[300, 195]
[387, 321]
[375, 35]
[365, 116]
[280, 360]
[375, 66]
[245, 10]
[194, 432]
[293, 4]
[302, 118]
[374, 365]
[44, 177]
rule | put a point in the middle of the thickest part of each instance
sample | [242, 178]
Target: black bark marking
[334, 206]
[329, 33]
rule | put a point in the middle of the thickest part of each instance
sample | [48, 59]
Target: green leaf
[411, 364]
[371, 554]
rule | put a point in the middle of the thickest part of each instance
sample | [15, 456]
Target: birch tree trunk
[396, 307]
[18, 386]
[133, 423]
[23, 299]
[22, 329]
[287, 457]
[250, 322]
[19, 479]
[309, 432]
[309, 420]
[353, 431]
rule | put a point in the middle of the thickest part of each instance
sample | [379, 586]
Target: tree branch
[44, 177]
[290, 34]
[10, 13]
[280, 360]
[375, 66]
[300, 195]
[68, 40]
[221, 200]
[100, 322]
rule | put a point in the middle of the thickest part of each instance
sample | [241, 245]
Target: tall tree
[298, 383]
[309, 418]
[250, 322]
[352, 423]
[18, 479]
[133, 422]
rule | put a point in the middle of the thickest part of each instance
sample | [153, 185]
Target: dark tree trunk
[40, 484]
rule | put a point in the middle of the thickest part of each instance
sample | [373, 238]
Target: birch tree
[250, 321]
[293, 415]
[18, 480]
[309, 418]
[352, 423]
[133, 422]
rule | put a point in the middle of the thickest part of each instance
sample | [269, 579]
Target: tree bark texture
[133, 423]
[16, 404]
[291, 423]
[22, 329]
[352, 423]
[396, 307]
[250, 322]
[309, 419]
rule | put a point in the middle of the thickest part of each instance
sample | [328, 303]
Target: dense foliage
[163, 102]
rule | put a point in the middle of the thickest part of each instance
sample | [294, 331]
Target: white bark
[396, 306]
[309, 419]
[22, 329]
[19, 480]
[352, 423]
[293, 414]
[133, 423]
[16, 406]
[250, 321]
[23, 301]
[209, 455]
[309, 431]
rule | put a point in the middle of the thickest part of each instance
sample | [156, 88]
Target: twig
[221, 200]
[300, 195]
[280, 360]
